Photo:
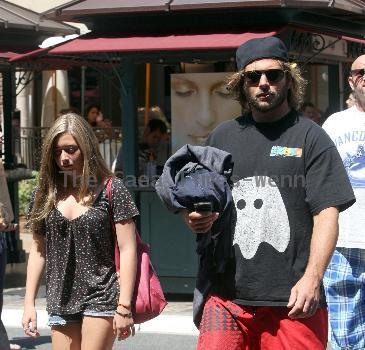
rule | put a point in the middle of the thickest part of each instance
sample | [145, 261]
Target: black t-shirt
[284, 173]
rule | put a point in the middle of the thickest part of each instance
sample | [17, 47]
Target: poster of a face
[199, 102]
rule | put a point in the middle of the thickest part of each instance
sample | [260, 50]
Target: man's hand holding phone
[201, 219]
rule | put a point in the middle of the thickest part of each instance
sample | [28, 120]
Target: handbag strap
[109, 195]
[112, 223]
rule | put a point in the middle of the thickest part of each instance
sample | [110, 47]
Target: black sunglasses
[272, 75]
[71, 149]
[358, 72]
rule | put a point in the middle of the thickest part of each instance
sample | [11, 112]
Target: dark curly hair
[296, 93]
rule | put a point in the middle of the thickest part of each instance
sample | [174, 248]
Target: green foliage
[25, 190]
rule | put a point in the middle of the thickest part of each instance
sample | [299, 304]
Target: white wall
[38, 5]
[55, 92]
[44, 5]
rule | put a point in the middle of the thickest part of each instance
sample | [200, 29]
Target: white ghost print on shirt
[261, 216]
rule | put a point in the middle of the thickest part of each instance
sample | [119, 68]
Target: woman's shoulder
[118, 186]
[117, 182]
[122, 200]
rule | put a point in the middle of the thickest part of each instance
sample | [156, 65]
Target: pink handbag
[148, 298]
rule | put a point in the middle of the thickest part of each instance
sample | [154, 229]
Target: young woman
[88, 304]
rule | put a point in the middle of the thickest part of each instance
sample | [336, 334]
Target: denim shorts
[62, 320]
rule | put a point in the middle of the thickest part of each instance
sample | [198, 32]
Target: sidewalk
[175, 319]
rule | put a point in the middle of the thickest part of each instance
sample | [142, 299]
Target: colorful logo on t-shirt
[280, 151]
[355, 167]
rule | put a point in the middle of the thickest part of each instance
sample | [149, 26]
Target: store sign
[331, 46]
[312, 43]
[301, 42]
[355, 50]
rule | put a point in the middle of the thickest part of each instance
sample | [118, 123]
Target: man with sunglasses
[289, 185]
[344, 280]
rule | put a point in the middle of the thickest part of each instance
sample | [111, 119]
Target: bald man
[345, 277]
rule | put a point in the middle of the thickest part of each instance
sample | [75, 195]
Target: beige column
[24, 100]
[55, 95]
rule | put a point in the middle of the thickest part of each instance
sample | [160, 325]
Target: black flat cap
[269, 47]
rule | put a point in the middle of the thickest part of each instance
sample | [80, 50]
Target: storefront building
[176, 55]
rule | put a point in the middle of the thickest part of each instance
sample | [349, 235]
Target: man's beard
[276, 100]
[359, 95]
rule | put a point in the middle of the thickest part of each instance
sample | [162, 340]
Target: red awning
[145, 43]
[67, 54]
[8, 54]
[355, 40]
[158, 43]
[28, 55]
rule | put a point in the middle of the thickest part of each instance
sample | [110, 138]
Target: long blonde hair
[235, 85]
[94, 167]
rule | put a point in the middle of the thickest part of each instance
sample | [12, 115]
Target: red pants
[228, 326]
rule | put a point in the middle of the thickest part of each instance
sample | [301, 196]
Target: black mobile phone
[203, 206]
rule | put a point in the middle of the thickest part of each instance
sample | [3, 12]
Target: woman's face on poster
[199, 102]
